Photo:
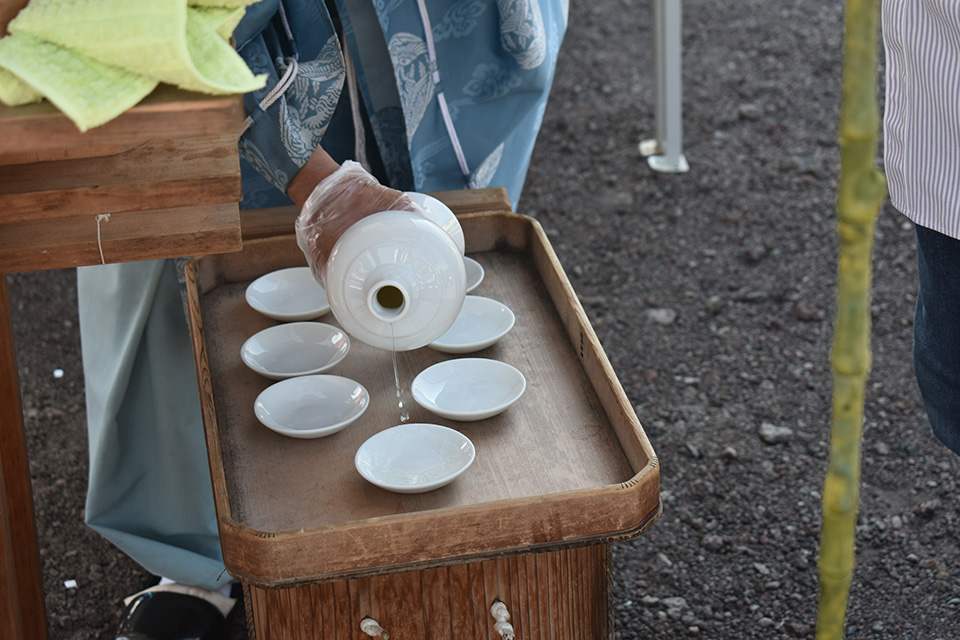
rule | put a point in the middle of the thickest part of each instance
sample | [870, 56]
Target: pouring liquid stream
[404, 414]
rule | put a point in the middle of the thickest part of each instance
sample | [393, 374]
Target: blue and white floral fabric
[454, 90]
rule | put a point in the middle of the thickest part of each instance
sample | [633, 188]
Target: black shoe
[168, 615]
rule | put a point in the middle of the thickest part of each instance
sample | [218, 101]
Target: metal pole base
[665, 152]
[660, 162]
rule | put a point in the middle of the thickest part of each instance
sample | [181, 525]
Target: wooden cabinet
[553, 595]
[557, 477]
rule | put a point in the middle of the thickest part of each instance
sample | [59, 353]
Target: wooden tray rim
[284, 558]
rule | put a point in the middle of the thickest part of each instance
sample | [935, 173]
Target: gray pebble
[675, 602]
[750, 111]
[662, 316]
[712, 542]
[774, 434]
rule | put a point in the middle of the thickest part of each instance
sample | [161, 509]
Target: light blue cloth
[149, 490]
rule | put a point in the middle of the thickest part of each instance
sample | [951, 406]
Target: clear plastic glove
[341, 199]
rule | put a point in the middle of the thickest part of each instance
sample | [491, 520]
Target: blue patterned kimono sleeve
[295, 44]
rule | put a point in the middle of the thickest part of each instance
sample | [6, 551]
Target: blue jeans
[936, 333]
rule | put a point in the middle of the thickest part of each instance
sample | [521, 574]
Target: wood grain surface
[550, 595]
[157, 174]
[22, 608]
[39, 132]
[123, 237]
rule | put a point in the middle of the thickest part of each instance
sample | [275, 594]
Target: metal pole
[665, 152]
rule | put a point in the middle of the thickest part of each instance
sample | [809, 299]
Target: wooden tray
[568, 465]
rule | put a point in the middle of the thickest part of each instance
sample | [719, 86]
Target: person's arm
[343, 195]
[319, 166]
[288, 118]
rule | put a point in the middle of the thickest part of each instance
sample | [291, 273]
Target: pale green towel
[89, 93]
[234, 4]
[94, 59]
[14, 91]
[223, 19]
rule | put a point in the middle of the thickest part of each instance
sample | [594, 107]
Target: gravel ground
[713, 293]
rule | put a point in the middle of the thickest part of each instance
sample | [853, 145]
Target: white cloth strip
[359, 135]
[457, 149]
[286, 24]
[102, 217]
[441, 100]
[428, 32]
[284, 83]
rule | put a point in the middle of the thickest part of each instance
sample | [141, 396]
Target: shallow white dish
[295, 349]
[416, 457]
[474, 273]
[311, 406]
[439, 213]
[468, 389]
[288, 295]
[481, 323]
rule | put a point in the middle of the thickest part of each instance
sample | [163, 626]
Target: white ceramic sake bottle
[395, 280]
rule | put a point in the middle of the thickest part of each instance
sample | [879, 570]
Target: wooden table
[163, 180]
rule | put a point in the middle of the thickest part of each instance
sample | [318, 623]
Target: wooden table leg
[22, 610]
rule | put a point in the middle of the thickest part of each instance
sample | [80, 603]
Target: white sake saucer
[288, 295]
[441, 214]
[311, 406]
[474, 273]
[468, 389]
[481, 323]
[413, 458]
[295, 349]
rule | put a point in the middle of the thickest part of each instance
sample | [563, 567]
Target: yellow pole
[860, 195]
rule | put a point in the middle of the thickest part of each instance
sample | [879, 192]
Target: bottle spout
[395, 280]
[388, 301]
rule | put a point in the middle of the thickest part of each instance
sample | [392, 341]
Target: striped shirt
[922, 116]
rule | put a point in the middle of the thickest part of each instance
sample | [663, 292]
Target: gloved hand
[336, 203]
